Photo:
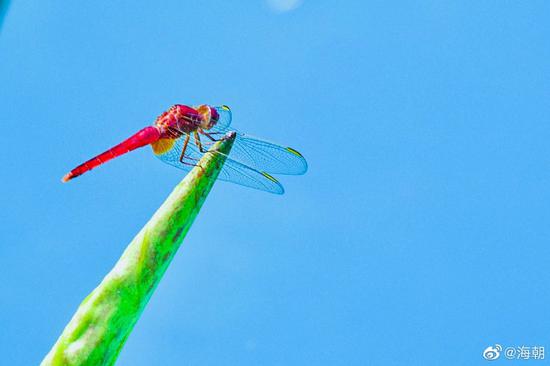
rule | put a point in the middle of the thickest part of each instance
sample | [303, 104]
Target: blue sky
[419, 236]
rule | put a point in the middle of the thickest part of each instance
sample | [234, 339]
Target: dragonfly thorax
[180, 119]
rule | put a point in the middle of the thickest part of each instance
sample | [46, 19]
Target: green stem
[96, 333]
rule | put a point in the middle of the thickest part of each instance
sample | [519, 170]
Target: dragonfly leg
[209, 135]
[198, 142]
[182, 155]
[190, 164]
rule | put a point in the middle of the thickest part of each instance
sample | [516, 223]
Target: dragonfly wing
[267, 156]
[236, 172]
[263, 155]
[172, 154]
[257, 153]
[232, 171]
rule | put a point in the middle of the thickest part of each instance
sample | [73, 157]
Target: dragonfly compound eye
[214, 115]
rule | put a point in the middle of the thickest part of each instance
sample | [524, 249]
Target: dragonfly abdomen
[143, 137]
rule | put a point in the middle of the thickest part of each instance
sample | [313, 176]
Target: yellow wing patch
[225, 108]
[291, 150]
[270, 177]
[162, 146]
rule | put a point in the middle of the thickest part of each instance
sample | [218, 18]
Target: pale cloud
[283, 5]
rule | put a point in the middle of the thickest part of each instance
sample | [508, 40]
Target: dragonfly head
[210, 116]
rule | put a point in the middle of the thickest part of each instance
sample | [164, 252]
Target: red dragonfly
[250, 162]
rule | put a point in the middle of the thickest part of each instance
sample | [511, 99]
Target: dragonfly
[182, 134]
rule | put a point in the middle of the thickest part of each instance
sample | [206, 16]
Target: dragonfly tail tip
[67, 177]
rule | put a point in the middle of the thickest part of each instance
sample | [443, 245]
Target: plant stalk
[99, 328]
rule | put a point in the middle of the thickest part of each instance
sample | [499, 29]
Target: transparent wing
[232, 171]
[267, 156]
[257, 153]
[172, 156]
[238, 173]
[262, 155]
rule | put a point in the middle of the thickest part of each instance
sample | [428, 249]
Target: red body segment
[179, 119]
[144, 137]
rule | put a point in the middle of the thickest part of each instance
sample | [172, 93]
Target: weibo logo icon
[492, 353]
